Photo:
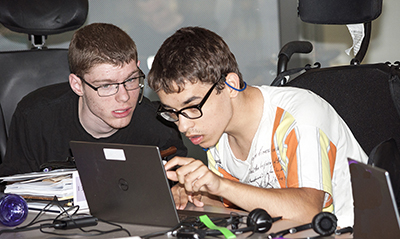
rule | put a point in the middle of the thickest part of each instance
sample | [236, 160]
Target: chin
[119, 124]
[209, 143]
[206, 145]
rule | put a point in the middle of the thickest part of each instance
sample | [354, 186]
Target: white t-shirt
[301, 142]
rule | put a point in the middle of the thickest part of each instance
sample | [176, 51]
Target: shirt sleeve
[303, 156]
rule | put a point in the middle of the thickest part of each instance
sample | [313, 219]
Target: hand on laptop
[194, 178]
[181, 197]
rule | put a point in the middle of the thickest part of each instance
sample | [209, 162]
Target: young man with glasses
[103, 102]
[278, 148]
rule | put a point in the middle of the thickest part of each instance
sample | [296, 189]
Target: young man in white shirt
[278, 148]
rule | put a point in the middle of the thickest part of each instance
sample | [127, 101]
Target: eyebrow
[191, 99]
[186, 102]
[111, 81]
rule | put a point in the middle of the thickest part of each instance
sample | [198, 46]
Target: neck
[247, 113]
[92, 124]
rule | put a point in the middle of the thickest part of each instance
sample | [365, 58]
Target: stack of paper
[62, 183]
[44, 187]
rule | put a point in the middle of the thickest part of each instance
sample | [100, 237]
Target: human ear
[234, 83]
[76, 84]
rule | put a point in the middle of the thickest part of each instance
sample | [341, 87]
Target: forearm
[300, 204]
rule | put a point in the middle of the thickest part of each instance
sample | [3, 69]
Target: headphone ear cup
[324, 223]
[260, 220]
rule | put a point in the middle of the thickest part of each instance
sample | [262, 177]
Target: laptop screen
[376, 213]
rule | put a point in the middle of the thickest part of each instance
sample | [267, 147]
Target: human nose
[122, 94]
[184, 123]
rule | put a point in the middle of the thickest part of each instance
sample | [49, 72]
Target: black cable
[23, 229]
[98, 232]
[64, 212]
[190, 222]
[193, 227]
[292, 230]
[86, 232]
[32, 222]
[95, 231]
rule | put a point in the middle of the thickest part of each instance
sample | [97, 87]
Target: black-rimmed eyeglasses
[130, 84]
[190, 112]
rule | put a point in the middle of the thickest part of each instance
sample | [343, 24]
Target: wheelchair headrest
[339, 11]
[43, 17]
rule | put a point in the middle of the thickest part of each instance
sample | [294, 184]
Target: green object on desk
[225, 231]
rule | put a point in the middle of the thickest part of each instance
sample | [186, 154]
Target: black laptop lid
[125, 183]
[375, 209]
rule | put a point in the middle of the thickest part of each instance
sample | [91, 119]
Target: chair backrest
[43, 17]
[24, 71]
[362, 95]
[339, 11]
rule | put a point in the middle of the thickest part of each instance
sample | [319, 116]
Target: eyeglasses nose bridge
[183, 123]
[123, 84]
[118, 86]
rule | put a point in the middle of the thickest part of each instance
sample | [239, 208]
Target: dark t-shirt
[46, 120]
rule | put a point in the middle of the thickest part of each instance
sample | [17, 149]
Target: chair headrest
[43, 17]
[339, 11]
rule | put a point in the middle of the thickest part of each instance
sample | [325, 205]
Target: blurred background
[255, 30]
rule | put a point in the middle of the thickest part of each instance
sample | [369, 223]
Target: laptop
[376, 212]
[127, 183]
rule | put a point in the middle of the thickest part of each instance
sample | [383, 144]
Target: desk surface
[135, 230]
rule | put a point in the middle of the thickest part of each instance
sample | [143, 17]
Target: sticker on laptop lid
[114, 154]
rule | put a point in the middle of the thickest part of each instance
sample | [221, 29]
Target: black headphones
[257, 220]
[260, 221]
[141, 94]
[324, 223]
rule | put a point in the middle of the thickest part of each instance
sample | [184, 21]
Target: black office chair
[366, 96]
[387, 156]
[24, 71]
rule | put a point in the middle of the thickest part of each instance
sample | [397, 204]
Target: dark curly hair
[191, 54]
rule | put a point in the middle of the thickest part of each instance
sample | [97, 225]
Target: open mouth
[196, 139]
